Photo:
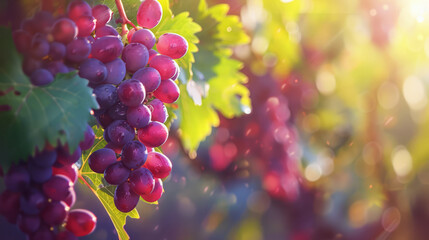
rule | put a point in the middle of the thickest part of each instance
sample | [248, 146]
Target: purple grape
[149, 13]
[153, 135]
[106, 31]
[39, 46]
[131, 92]
[55, 67]
[29, 25]
[57, 51]
[142, 181]
[118, 111]
[167, 92]
[85, 25]
[101, 159]
[156, 194]
[39, 174]
[32, 201]
[81, 222]
[9, 205]
[88, 139]
[64, 30]
[78, 50]
[158, 110]
[106, 137]
[134, 155]
[43, 233]
[65, 158]
[41, 77]
[107, 49]
[28, 223]
[116, 71]
[145, 37]
[139, 116]
[116, 173]
[44, 21]
[93, 70]
[135, 56]
[66, 235]
[104, 120]
[125, 199]
[55, 213]
[149, 77]
[22, 40]
[58, 187]
[103, 14]
[29, 65]
[77, 9]
[106, 95]
[165, 65]
[17, 178]
[172, 45]
[44, 159]
[120, 132]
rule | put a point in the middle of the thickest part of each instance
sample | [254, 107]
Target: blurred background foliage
[349, 82]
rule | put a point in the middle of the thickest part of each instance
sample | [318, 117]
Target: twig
[123, 15]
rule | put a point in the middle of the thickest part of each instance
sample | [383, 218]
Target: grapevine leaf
[102, 191]
[31, 116]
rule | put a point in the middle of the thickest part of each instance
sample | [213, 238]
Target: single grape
[135, 56]
[41, 77]
[45, 158]
[156, 194]
[55, 67]
[29, 65]
[22, 40]
[39, 46]
[120, 132]
[158, 110]
[116, 173]
[142, 181]
[85, 25]
[32, 201]
[93, 70]
[153, 135]
[139, 116]
[134, 155]
[167, 92]
[149, 13]
[145, 37]
[172, 45]
[101, 159]
[131, 92]
[57, 51]
[55, 213]
[103, 14]
[67, 158]
[104, 120]
[88, 140]
[58, 187]
[65, 235]
[70, 171]
[165, 65]
[158, 164]
[81, 222]
[17, 178]
[77, 9]
[9, 205]
[64, 30]
[115, 71]
[106, 31]
[106, 95]
[43, 233]
[107, 49]
[125, 199]
[149, 77]
[78, 50]
[28, 223]
[39, 174]
[118, 111]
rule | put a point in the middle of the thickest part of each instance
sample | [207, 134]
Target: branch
[123, 15]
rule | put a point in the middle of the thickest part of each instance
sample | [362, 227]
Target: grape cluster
[40, 192]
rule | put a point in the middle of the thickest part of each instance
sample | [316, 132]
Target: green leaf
[32, 116]
[103, 191]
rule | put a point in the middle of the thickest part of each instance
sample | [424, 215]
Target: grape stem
[123, 15]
